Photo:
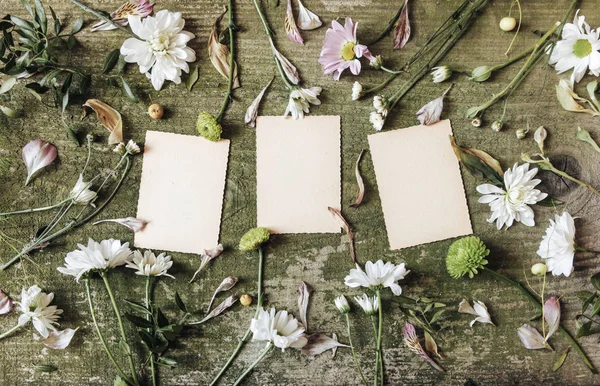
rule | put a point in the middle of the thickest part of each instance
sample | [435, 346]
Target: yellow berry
[246, 300]
[508, 24]
[156, 111]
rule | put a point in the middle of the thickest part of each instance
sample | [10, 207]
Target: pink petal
[37, 154]
[552, 315]
[531, 338]
[59, 340]
[319, 343]
[6, 303]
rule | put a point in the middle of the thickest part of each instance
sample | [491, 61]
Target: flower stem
[100, 335]
[7, 333]
[362, 376]
[389, 27]
[101, 16]
[513, 59]
[569, 177]
[232, 65]
[41, 209]
[149, 318]
[535, 302]
[259, 303]
[253, 365]
[120, 322]
[379, 330]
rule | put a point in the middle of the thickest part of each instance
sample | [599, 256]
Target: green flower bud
[466, 256]
[497, 126]
[521, 133]
[254, 238]
[481, 73]
[539, 269]
[208, 127]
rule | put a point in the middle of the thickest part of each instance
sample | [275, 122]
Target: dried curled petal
[219, 54]
[108, 117]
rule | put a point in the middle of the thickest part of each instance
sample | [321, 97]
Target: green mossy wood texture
[484, 353]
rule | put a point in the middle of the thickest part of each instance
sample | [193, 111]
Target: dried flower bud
[476, 122]
[254, 238]
[539, 269]
[540, 137]
[156, 111]
[245, 300]
[208, 127]
[376, 62]
[508, 24]
[497, 126]
[441, 73]
[521, 133]
[481, 73]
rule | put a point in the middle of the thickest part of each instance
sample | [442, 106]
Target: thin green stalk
[102, 16]
[362, 376]
[113, 301]
[41, 209]
[7, 333]
[253, 365]
[389, 27]
[232, 67]
[376, 371]
[259, 303]
[513, 59]
[535, 302]
[379, 330]
[571, 178]
[149, 318]
[100, 335]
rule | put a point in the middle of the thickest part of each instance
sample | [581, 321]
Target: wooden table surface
[484, 354]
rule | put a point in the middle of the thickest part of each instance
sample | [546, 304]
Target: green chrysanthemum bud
[254, 238]
[208, 127]
[481, 73]
[466, 256]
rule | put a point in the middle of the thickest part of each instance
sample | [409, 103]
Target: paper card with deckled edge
[420, 186]
[181, 192]
[298, 172]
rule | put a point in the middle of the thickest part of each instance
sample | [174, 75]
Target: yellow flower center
[160, 43]
[348, 51]
[582, 48]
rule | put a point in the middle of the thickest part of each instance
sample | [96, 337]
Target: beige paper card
[181, 192]
[420, 185]
[298, 174]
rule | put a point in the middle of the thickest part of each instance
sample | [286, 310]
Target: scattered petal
[225, 285]
[479, 309]
[218, 310]
[531, 338]
[334, 350]
[59, 340]
[303, 298]
[567, 99]
[432, 111]
[402, 28]
[290, 25]
[360, 194]
[37, 154]
[206, 257]
[132, 223]
[291, 72]
[140, 8]
[306, 19]
[552, 315]
[219, 54]
[252, 112]
[346, 227]
[108, 117]
[6, 303]
[431, 346]
[412, 341]
[319, 343]
[540, 137]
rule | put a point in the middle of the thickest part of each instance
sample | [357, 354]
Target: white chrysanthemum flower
[512, 204]
[577, 50]
[300, 101]
[479, 310]
[342, 304]
[82, 194]
[357, 91]
[380, 104]
[369, 305]
[132, 147]
[558, 245]
[377, 275]
[280, 328]
[35, 307]
[162, 52]
[95, 257]
[377, 120]
[441, 73]
[149, 264]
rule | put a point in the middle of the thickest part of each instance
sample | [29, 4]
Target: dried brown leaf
[219, 54]
[360, 194]
[346, 227]
[108, 117]
[431, 346]
[402, 28]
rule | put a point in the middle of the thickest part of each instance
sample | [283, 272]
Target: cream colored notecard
[181, 192]
[298, 174]
[420, 185]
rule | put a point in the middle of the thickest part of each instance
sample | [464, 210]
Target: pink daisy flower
[341, 49]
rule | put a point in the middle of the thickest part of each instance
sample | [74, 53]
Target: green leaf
[57, 23]
[10, 113]
[192, 78]
[560, 359]
[121, 63]
[65, 101]
[139, 322]
[437, 316]
[127, 90]
[71, 42]
[24, 24]
[84, 84]
[41, 16]
[77, 25]
[110, 61]
[148, 339]
[161, 319]
[167, 361]
[584, 330]
[596, 308]
[28, 7]
[479, 163]
[595, 279]
[180, 303]
[46, 368]
[137, 307]
[67, 84]
[119, 381]
[584, 295]
[549, 202]
[124, 348]
[587, 303]
[71, 134]
[8, 85]
[35, 94]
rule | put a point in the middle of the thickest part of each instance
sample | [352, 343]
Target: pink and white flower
[141, 8]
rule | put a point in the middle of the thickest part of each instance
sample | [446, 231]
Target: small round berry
[156, 111]
[508, 24]
[245, 300]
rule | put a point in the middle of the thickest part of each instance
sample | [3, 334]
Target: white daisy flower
[512, 204]
[149, 264]
[161, 50]
[377, 275]
[479, 310]
[377, 120]
[342, 304]
[357, 91]
[95, 257]
[280, 328]
[369, 305]
[300, 101]
[577, 50]
[441, 74]
[380, 103]
[82, 194]
[35, 307]
[558, 245]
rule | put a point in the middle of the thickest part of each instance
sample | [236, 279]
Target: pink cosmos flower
[341, 49]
